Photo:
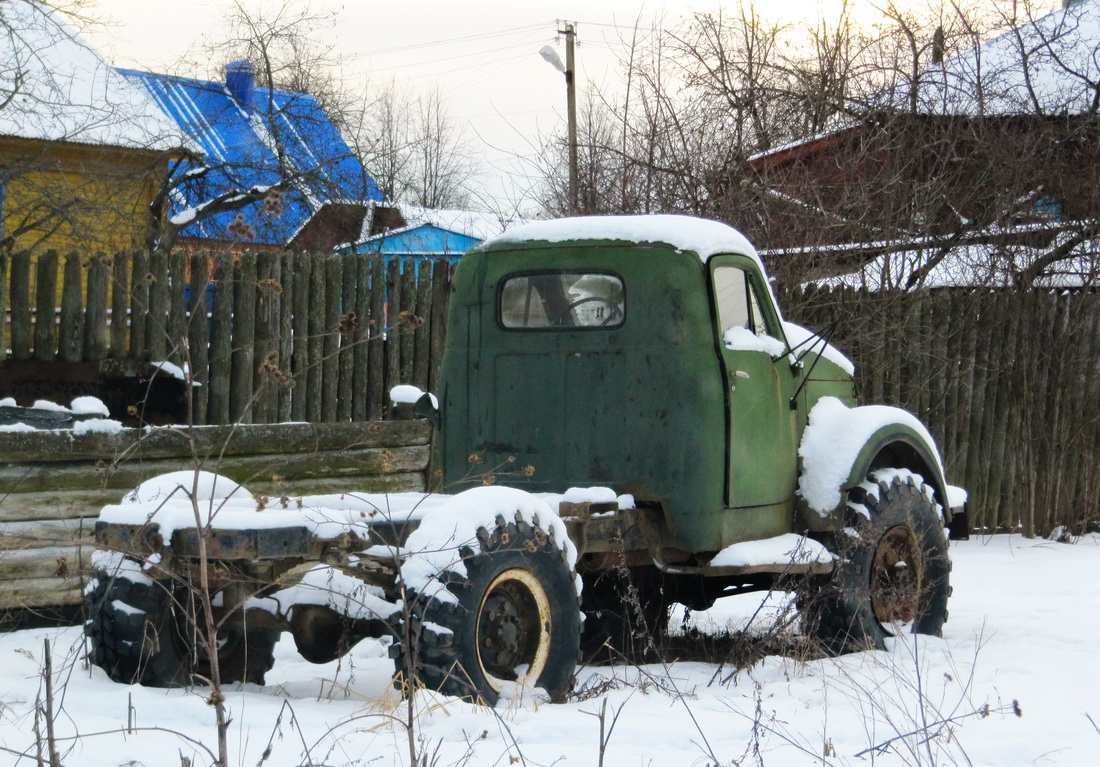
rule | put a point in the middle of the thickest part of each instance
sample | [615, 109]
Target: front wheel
[892, 573]
[508, 617]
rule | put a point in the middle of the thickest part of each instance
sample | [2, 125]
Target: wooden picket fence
[1006, 380]
[270, 336]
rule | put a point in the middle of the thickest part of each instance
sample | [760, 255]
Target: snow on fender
[833, 440]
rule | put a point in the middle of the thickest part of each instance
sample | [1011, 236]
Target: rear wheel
[893, 572]
[511, 619]
[140, 632]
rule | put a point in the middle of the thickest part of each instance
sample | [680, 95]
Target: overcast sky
[489, 69]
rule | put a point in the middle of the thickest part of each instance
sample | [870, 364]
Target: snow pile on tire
[454, 525]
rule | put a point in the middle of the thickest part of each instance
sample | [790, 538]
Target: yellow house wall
[77, 197]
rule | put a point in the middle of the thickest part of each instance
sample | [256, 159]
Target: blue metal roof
[423, 240]
[239, 146]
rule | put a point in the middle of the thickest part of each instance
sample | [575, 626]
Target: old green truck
[624, 422]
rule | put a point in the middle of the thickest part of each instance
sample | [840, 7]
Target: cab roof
[703, 237]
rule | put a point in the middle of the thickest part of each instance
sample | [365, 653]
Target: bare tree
[835, 138]
[440, 169]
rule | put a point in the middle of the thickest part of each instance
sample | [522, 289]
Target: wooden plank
[57, 504]
[1057, 447]
[361, 365]
[316, 337]
[126, 475]
[221, 341]
[330, 381]
[393, 331]
[939, 369]
[376, 396]
[17, 536]
[395, 482]
[156, 321]
[96, 305]
[1003, 426]
[140, 277]
[70, 345]
[1086, 500]
[198, 334]
[299, 362]
[120, 304]
[164, 442]
[286, 336]
[265, 385]
[48, 562]
[242, 384]
[40, 592]
[4, 259]
[349, 324]
[407, 321]
[45, 307]
[957, 405]
[980, 413]
[422, 334]
[177, 308]
[441, 290]
[20, 299]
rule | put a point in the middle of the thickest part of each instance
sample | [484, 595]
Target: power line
[453, 40]
[481, 53]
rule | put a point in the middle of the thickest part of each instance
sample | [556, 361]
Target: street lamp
[551, 55]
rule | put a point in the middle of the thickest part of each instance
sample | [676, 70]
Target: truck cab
[646, 354]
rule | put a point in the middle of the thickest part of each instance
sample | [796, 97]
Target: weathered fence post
[21, 306]
[198, 336]
[330, 381]
[139, 305]
[299, 361]
[377, 353]
[95, 312]
[221, 339]
[45, 325]
[244, 339]
[120, 304]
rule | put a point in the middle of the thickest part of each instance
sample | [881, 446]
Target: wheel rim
[513, 629]
[896, 576]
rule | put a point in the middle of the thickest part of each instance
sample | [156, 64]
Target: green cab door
[761, 448]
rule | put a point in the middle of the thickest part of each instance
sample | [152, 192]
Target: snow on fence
[53, 483]
[1006, 380]
[286, 336]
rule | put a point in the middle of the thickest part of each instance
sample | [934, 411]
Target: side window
[562, 301]
[738, 306]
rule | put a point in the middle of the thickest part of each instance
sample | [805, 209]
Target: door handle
[741, 374]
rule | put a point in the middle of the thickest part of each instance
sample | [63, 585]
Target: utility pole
[571, 96]
[568, 69]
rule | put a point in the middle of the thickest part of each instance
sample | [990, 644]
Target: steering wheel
[614, 314]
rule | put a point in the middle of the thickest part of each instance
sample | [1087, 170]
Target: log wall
[53, 484]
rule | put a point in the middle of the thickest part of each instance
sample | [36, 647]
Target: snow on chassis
[638, 426]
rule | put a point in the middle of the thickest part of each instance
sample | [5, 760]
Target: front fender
[840, 446]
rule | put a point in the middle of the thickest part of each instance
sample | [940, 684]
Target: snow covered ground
[1024, 628]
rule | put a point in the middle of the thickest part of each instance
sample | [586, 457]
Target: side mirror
[428, 407]
[425, 404]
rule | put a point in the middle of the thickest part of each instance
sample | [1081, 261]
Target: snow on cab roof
[701, 236]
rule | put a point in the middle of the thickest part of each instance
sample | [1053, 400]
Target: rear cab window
[561, 300]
